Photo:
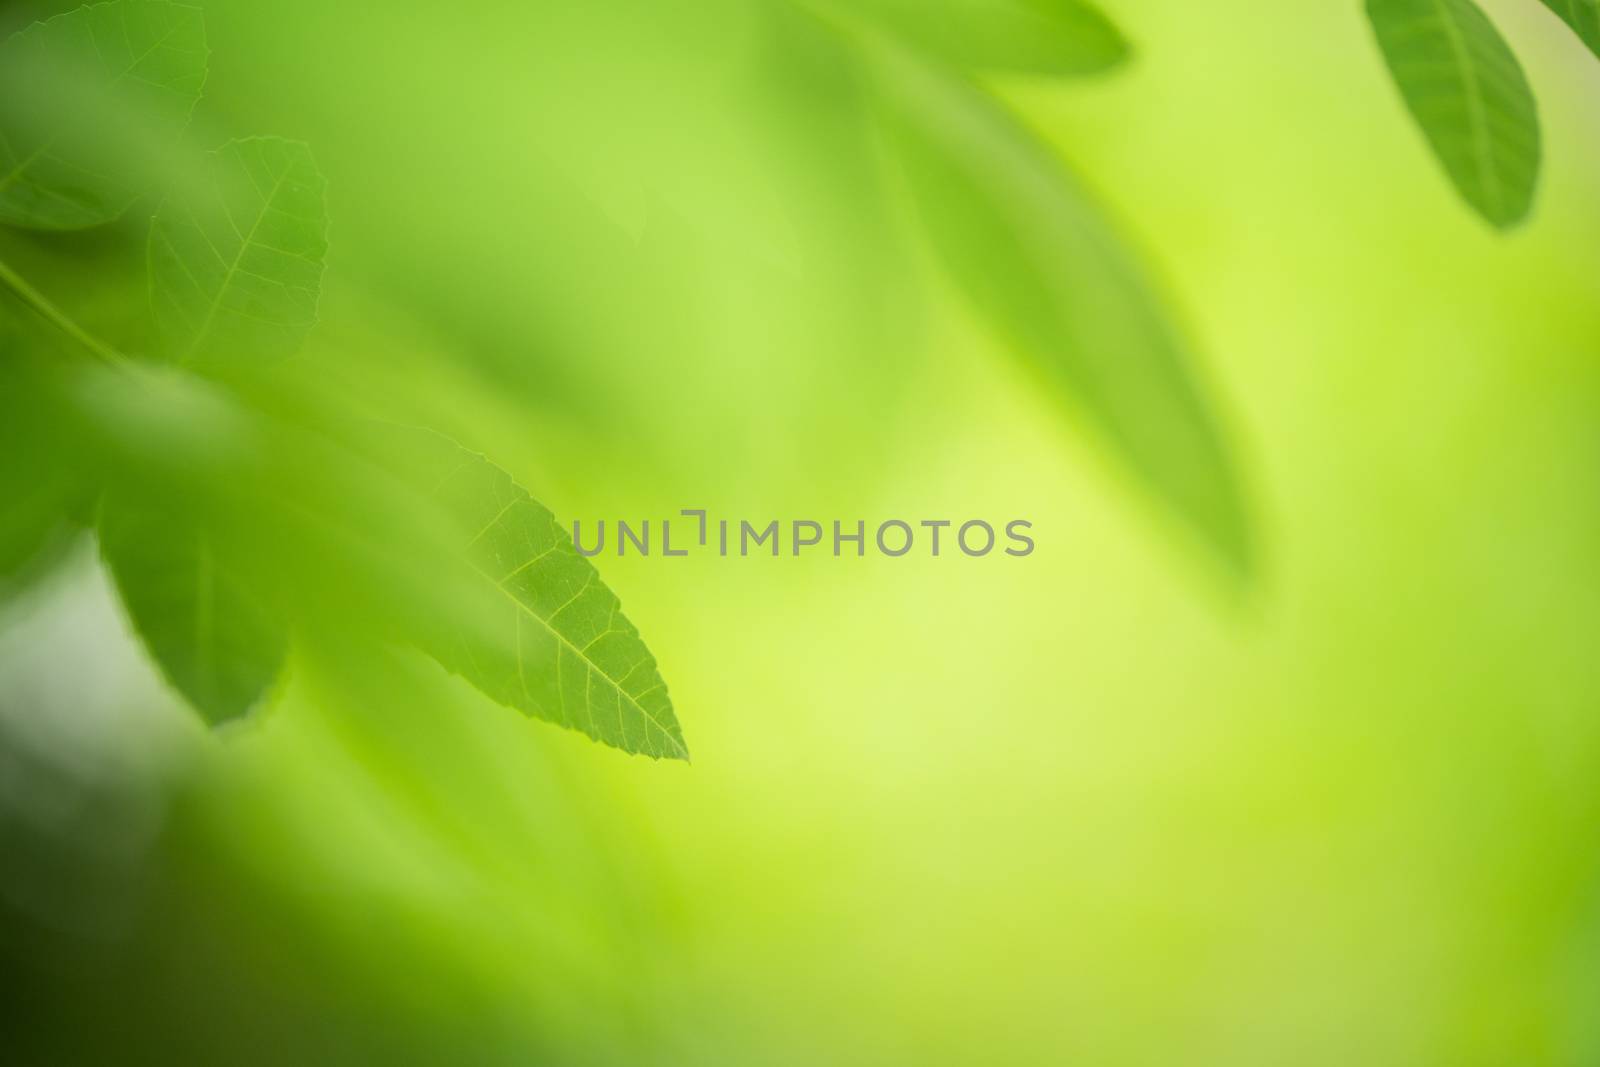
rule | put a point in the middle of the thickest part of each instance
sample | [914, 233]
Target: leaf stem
[56, 317]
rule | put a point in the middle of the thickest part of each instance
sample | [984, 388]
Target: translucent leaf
[212, 636]
[539, 631]
[83, 96]
[1468, 93]
[1049, 37]
[236, 269]
[1018, 233]
[395, 533]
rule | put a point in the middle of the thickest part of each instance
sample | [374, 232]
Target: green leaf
[32, 519]
[1018, 233]
[1048, 37]
[359, 528]
[541, 632]
[212, 636]
[1467, 91]
[41, 473]
[235, 273]
[82, 97]
[1584, 18]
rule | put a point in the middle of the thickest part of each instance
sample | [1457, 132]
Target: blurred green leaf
[353, 527]
[236, 271]
[552, 640]
[1050, 37]
[41, 479]
[1583, 16]
[31, 518]
[75, 90]
[1034, 254]
[1467, 91]
[214, 638]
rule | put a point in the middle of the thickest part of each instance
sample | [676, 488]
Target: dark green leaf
[1467, 91]
[235, 272]
[81, 96]
[30, 522]
[211, 634]
[41, 474]
[1030, 248]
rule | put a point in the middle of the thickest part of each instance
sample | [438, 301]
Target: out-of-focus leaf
[1032, 251]
[551, 639]
[31, 519]
[41, 473]
[212, 636]
[1467, 91]
[235, 272]
[1049, 37]
[79, 94]
[401, 534]
[1584, 18]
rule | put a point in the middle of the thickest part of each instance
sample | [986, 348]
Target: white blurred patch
[91, 740]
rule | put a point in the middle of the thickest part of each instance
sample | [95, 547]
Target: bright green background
[1088, 806]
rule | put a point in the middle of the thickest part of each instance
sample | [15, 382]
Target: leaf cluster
[237, 511]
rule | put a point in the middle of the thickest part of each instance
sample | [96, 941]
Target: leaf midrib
[590, 663]
[246, 240]
[1477, 117]
[361, 539]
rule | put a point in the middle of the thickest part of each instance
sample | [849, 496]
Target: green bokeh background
[1089, 806]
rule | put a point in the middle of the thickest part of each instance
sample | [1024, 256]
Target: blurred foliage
[1468, 93]
[1069, 807]
[293, 511]
[85, 96]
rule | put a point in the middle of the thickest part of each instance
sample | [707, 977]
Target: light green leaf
[235, 273]
[212, 636]
[1467, 91]
[1584, 18]
[358, 528]
[1019, 234]
[82, 96]
[541, 632]
[1049, 37]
